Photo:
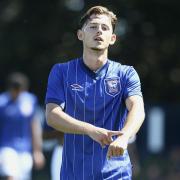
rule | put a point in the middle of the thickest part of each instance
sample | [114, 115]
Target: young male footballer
[97, 103]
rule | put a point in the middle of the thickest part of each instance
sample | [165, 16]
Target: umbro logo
[77, 87]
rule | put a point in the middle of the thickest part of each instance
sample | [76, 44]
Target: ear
[113, 39]
[80, 34]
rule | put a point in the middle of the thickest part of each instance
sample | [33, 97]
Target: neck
[14, 93]
[95, 59]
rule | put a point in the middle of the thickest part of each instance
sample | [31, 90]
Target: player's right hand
[102, 136]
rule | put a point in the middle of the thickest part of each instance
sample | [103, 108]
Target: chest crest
[112, 86]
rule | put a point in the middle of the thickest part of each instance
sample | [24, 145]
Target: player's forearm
[36, 136]
[61, 121]
[134, 120]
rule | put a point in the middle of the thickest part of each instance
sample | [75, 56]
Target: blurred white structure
[155, 130]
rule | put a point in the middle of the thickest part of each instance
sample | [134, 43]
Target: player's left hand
[118, 146]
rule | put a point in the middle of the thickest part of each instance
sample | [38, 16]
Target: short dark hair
[18, 81]
[98, 10]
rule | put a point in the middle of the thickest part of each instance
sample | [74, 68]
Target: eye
[105, 28]
[92, 27]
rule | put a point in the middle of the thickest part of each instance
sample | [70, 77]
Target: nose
[99, 30]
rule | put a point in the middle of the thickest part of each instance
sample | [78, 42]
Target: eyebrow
[93, 23]
[97, 23]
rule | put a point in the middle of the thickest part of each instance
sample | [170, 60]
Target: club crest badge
[112, 86]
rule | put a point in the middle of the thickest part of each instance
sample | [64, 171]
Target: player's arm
[63, 122]
[38, 156]
[133, 122]
[136, 115]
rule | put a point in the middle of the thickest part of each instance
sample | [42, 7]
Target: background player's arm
[38, 156]
[63, 122]
[133, 122]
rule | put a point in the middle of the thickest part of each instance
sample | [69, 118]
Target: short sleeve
[55, 87]
[132, 83]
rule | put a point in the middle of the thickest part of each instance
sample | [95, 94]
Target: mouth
[99, 39]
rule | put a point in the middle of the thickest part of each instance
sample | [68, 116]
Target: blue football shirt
[15, 121]
[97, 98]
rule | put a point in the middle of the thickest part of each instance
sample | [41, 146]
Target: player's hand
[39, 159]
[103, 136]
[118, 146]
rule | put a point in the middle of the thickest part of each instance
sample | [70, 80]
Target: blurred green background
[34, 35]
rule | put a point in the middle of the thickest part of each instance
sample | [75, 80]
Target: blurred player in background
[97, 103]
[54, 140]
[20, 130]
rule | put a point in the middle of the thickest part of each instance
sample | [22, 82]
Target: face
[97, 33]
